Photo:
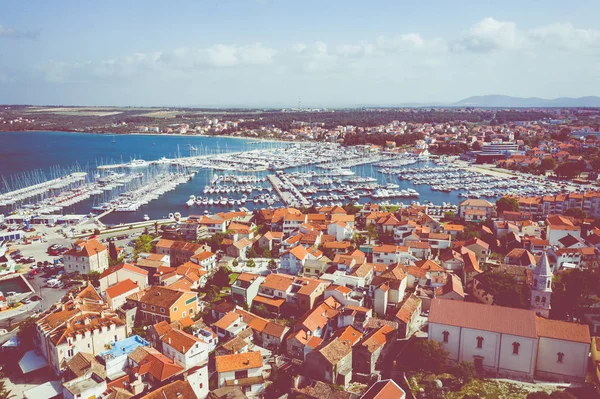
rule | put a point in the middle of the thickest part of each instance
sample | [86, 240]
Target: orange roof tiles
[238, 362]
[121, 288]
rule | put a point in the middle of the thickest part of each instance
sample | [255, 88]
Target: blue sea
[25, 151]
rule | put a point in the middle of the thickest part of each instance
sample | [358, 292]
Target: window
[446, 334]
[560, 356]
[537, 298]
[479, 342]
[152, 307]
[191, 311]
[548, 285]
[535, 283]
[175, 309]
[543, 299]
[183, 314]
[162, 310]
[143, 306]
[516, 346]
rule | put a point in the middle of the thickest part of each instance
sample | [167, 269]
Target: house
[244, 370]
[271, 240]
[162, 303]
[372, 348]
[239, 248]
[245, 288]
[315, 325]
[344, 295]
[385, 389]
[391, 254]
[206, 259]
[407, 316]
[478, 246]
[527, 346]
[175, 390]
[152, 366]
[86, 256]
[87, 386]
[292, 261]
[453, 289]
[475, 210]
[183, 251]
[126, 271]
[187, 350]
[230, 325]
[116, 295]
[214, 224]
[340, 230]
[330, 363]
[81, 324]
[388, 289]
[558, 227]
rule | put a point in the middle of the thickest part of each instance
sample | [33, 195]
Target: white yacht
[136, 163]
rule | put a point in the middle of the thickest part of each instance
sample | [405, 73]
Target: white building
[85, 257]
[243, 370]
[508, 342]
[187, 350]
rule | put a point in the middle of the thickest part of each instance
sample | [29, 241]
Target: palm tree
[4, 393]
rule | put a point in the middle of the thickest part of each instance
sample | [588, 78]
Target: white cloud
[566, 37]
[489, 34]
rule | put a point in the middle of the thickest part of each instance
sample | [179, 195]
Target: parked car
[35, 298]
[25, 301]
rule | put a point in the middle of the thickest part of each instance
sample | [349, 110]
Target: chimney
[183, 349]
[169, 339]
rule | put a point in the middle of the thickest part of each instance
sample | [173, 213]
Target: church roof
[543, 266]
[504, 320]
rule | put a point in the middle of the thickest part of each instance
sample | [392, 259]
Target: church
[513, 343]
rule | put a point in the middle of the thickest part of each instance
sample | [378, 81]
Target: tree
[221, 278]
[252, 253]
[272, 265]
[507, 204]
[251, 263]
[112, 251]
[351, 208]
[142, 244]
[5, 393]
[358, 240]
[505, 290]
[267, 253]
[572, 292]
[427, 356]
[372, 232]
[212, 293]
[465, 372]
[27, 331]
[548, 164]
[94, 278]
[261, 310]
[449, 215]
[577, 213]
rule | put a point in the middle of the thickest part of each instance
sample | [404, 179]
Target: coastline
[160, 135]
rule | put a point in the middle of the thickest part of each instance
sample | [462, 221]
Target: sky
[282, 53]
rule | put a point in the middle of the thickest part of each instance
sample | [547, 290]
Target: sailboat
[113, 139]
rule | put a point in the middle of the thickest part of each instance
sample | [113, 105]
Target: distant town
[369, 291]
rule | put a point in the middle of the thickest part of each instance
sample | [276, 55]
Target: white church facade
[511, 343]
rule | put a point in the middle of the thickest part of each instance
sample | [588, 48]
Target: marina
[233, 175]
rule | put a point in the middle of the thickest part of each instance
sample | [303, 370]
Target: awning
[47, 390]
[31, 361]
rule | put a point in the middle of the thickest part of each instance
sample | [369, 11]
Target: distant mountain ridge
[495, 100]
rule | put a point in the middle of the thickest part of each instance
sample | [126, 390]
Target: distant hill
[513, 102]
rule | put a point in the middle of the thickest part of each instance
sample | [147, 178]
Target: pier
[12, 197]
[288, 193]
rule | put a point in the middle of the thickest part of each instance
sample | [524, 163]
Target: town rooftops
[161, 296]
[500, 319]
[125, 266]
[476, 202]
[238, 362]
[335, 350]
[386, 389]
[86, 248]
[121, 288]
[181, 341]
[174, 390]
